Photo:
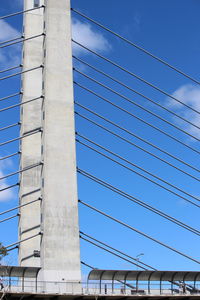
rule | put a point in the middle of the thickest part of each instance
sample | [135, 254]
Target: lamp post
[138, 258]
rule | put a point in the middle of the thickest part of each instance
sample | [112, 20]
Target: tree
[3, 251]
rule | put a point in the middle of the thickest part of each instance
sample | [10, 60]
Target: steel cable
[138, 105]
[139, 78]
[136, 136]
[133, 144]
[139, 202]
[24, 40]
[21, 12]
[21, 171]
[83, 263]
[136, 92]
[21, 241]
[10, 96]
[138, 167]
[138, 118]
[9, 218]
[120, 252]
[111, 252]
[141, 233]
[19, 206]
[16, 247]
[10, 69]
[143, 176]
[137, 46]
[20, 104]
[21, 137]
[10, 126]
[11, 155]
[9, 187]
[12, 40]
[20, 73]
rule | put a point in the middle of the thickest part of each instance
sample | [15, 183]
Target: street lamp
[138, 258]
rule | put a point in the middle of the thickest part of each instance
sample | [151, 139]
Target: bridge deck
[19, 296]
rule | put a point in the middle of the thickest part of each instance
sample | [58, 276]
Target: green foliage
[3, 251]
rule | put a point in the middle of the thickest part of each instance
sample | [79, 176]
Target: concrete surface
[60, 253]
[57, 214]
[31, 118]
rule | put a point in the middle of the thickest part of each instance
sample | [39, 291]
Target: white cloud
[7, 194]
[7, 31]
[9, 56]
[81, 32]
[2, 57]
[190, 95]
[85, 35]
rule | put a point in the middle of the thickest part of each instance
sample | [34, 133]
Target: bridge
[75, 111]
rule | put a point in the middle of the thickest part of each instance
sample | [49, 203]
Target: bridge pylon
[50, 148]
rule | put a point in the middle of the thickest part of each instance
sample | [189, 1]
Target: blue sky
[169, 29]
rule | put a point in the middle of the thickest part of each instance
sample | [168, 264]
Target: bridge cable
[176, 283]
[31, 192]
[11, 155]
[12, 40]
[133, 144]
[136, 92]
[21, 137]
[136, 46]
[134, 75]
[83, 263]
[138, 105]
[10, 69]
[139, 202]
[21, 171]
[19, 206]
[24, 40]
[138, 118]
[21, 241]
[140, 232]
[111, 252]
[134, 135]
[10, 126]
[120, 252]
[20, 104]
[136, 166]
[16, 247]
[21, 12]
[9, 187]
[20, 73]
[10, 96]
[9, 218]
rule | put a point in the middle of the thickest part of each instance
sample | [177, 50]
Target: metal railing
[74, 288]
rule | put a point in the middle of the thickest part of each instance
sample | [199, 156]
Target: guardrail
[74, 288]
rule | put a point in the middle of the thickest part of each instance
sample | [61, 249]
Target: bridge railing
[74, 288]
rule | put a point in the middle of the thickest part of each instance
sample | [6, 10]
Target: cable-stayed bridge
[136, 160]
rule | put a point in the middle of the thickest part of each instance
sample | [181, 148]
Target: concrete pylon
[31, 119]
[58, 214]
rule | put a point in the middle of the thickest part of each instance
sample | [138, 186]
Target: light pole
[138, 258]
